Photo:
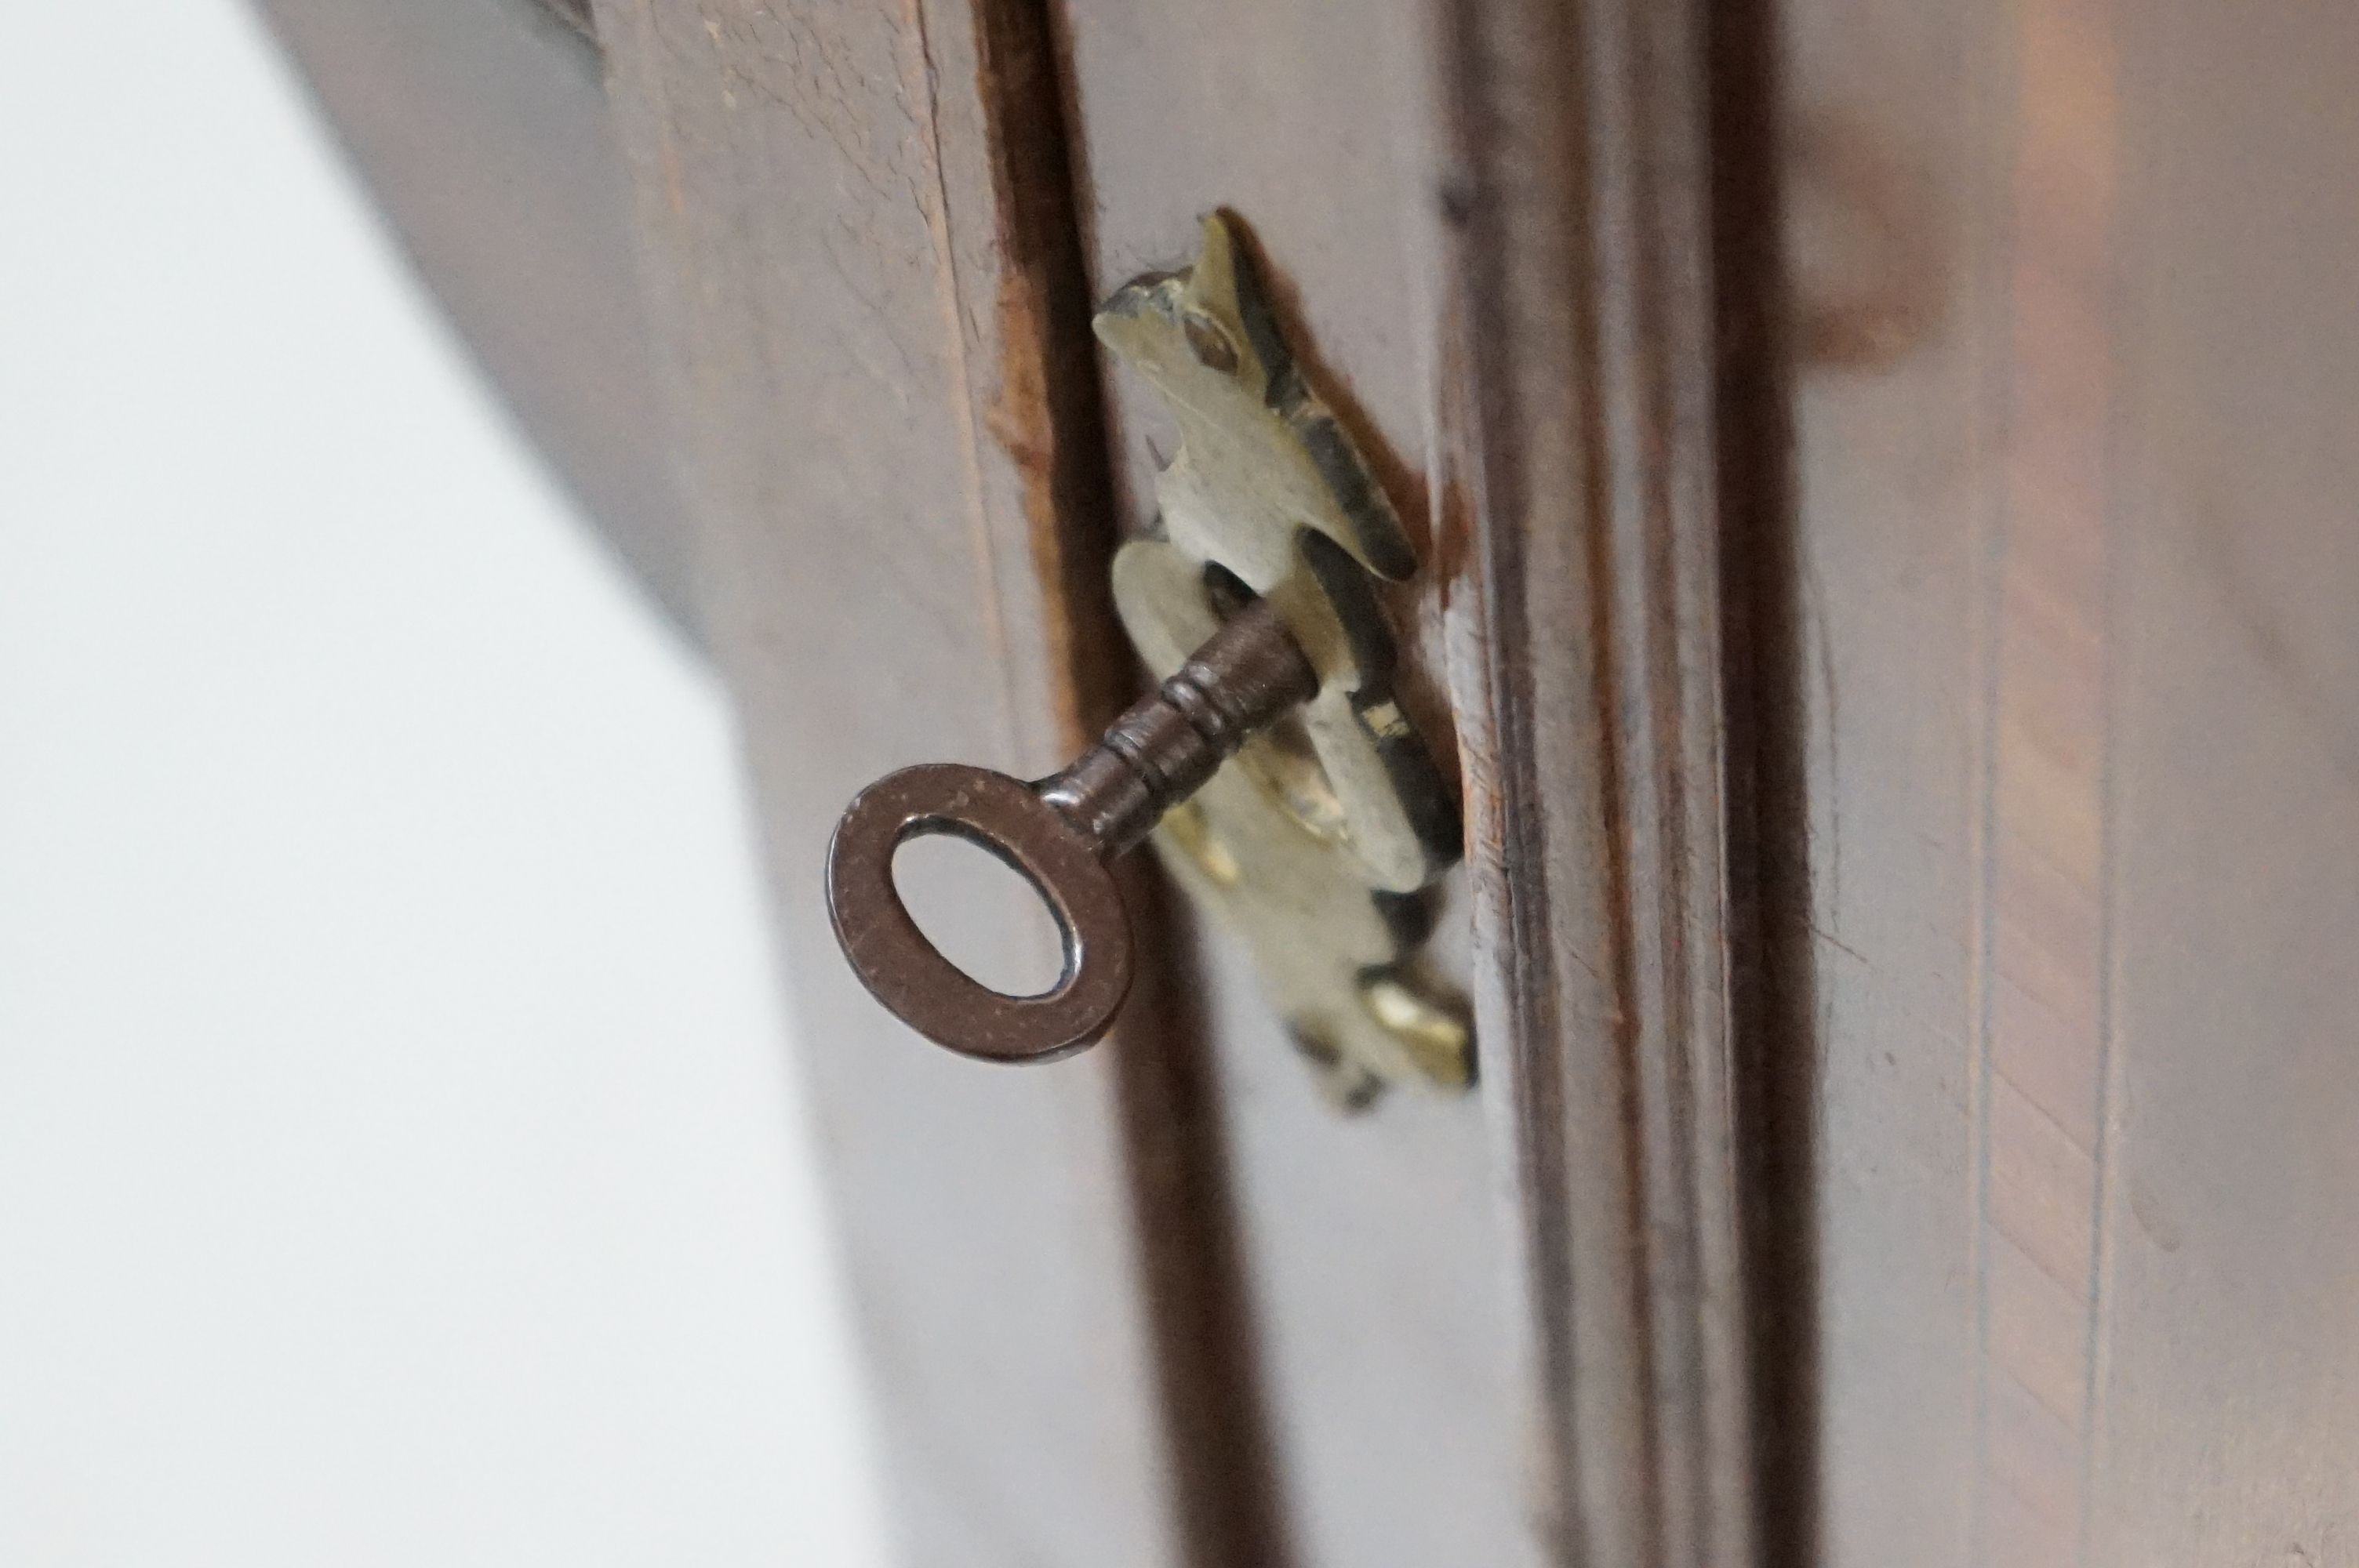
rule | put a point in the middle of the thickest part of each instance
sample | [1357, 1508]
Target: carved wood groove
[1592, 729]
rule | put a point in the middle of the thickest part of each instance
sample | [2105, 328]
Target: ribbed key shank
[1155, 756]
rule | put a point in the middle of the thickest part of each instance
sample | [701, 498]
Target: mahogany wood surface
[2073, 385]
[1885, 472]
[1594, 712]
[1375, 1251]
[861, 258]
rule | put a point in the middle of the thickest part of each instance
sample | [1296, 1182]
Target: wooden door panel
[890, 471]
[1510, 1330]
[2224, 1374]
[1374, 1256]
[1893, 195]
[2082, 811]
[1883, 472]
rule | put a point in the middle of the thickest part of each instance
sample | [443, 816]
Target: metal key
[1061, 833]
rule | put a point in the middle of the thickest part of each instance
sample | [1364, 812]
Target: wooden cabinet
[1884, 474]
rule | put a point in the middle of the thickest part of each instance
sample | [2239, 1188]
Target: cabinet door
[1882, 474]
[1499, 1327]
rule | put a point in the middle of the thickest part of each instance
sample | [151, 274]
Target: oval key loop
[1272, 532]
[1059, 833]
[909, 976]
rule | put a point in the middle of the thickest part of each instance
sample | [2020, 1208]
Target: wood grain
[1890, 136]
[2081, 794]
[1592, 722]
[2042, 1056]
[2224, 1380]
[1887, 477]
[866, 273]
[1375, 1253]
[1578, 386]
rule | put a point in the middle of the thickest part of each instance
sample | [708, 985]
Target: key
[1061, 834]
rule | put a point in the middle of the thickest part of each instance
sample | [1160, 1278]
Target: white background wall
[398, 1159]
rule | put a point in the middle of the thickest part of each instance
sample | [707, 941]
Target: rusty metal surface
[1059, 834]
[909, 976]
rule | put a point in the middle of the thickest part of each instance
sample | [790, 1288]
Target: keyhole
[981, 913]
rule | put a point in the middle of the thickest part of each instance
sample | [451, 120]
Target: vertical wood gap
[1225, 1493]
[1774, 974]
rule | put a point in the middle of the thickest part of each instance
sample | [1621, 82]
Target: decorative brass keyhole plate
[1320, 842]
